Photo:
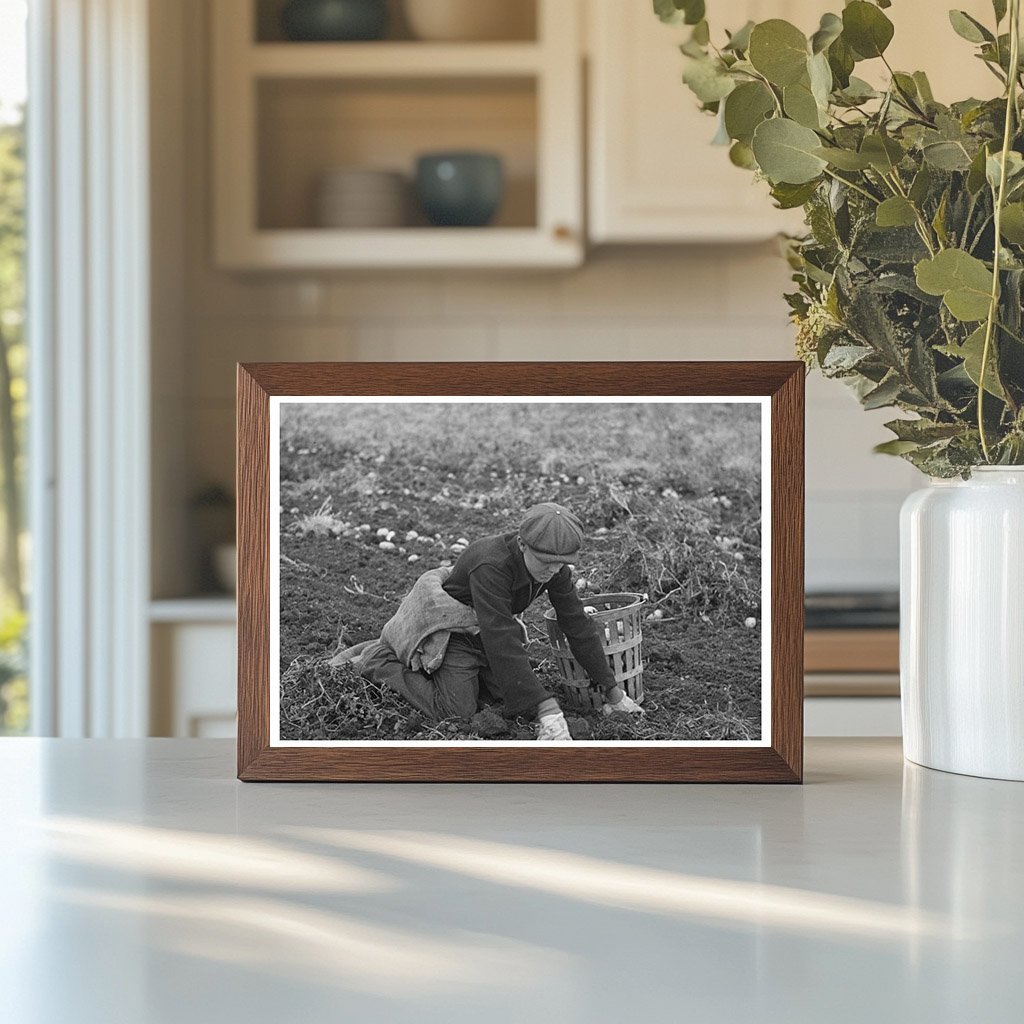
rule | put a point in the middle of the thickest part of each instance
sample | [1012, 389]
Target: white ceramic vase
[962, 624]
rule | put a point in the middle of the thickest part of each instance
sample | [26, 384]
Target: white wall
[720, 302]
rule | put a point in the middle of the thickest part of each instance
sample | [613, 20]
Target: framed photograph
[517, 572]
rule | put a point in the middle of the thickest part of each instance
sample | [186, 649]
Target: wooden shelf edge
[410, 248]
[392, 60]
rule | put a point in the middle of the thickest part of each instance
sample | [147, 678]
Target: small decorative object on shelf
[361, 197]
[909, 288]
[470, 20]
[460, 189]
[334, 20]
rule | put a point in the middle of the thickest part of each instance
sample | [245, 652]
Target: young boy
[499, 577]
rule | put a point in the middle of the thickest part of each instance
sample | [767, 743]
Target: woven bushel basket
[618, 623]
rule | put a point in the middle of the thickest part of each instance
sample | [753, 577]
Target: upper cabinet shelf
[316, 144]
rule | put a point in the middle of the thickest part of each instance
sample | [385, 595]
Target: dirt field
[670, 496]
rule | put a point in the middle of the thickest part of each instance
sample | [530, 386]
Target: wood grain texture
[787, 547]
[852, 650]
[252, 487]
[472, 762]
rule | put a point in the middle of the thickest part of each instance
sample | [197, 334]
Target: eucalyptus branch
[1000, 199]
[904, 299]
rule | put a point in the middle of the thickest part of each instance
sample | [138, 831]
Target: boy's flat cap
[551, 529]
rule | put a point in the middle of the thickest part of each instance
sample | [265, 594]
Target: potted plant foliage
[909, 285]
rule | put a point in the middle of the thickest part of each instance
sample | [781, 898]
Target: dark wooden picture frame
[780, 760]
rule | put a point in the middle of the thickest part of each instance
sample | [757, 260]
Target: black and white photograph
[520, 570]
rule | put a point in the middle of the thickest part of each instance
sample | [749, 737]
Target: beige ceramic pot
[471, 20]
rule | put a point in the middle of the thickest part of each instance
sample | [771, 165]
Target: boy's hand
[625, 703]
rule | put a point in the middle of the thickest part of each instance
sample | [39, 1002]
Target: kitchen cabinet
[653, 175]
[193, 671]
[852, 682]
[287, 113]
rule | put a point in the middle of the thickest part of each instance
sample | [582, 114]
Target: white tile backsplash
[507, 298]
[371, 296]
[573, 340]
[646, 284]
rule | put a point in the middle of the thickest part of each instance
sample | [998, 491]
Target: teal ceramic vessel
[333, 21]
[461, 190]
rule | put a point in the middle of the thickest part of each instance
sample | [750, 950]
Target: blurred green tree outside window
[14, 704]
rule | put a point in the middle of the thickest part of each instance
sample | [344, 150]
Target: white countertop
[144, 885]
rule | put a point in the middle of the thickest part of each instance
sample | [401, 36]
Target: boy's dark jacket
[491, 576]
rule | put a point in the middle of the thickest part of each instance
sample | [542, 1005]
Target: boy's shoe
[554, 727]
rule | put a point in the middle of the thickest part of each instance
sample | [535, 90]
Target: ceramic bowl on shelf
[470, 20]
[334, 20]
[361, 198]
[460, 189]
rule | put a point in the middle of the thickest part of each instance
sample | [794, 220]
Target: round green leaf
[820, 75]
[1014, 169]
[674, 12]
[841, 61]
[747, 106]
[830, 29]
[779, 51]
[800, 105]
[896, 212]
[740, 39]
[743, 156]
[785, 152]
[947, 156]
[968, 28]
[707, 80]
[961, 279]
[882, 152]
[1012, 223]
[789, 197]
[858, 91]
[866, 29]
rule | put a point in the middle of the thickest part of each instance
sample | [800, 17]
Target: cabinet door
[193, 679]
[654, 175]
